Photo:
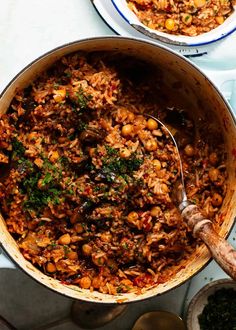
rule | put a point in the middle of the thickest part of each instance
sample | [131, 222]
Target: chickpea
[164, 188]
[64, 239]
[96, 282]
[216, 199]
[213, 158]
[213, 174]
[220, 20]
[189, 150]
[151, 145]
[127, 130]
[187, 19]
[98, 261]
[131, 116]
[106, 237]
[155, 211]
[157, 164]
[39, 162]
[152, 124]
[170, 24]
[199, 3]
[54, 156]
[72, 255]
[60, 95]
[87, 249]
[125, 153]
[126, 282]
[78, 228]
[51, 268]
[132, 216]
[32, 136]
[85, 282]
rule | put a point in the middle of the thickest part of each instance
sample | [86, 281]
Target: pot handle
[222, 252]
[5, 262]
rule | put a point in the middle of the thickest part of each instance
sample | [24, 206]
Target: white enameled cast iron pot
[194, 90]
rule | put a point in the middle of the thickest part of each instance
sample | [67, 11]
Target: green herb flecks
[18, 148]
[47, 179]
[220, 311]
[81, 126]
[110, 151]
[38, 198]
[83, 99]
[119, 166]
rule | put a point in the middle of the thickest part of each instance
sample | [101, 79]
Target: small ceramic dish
[200, 300]
[225, 29]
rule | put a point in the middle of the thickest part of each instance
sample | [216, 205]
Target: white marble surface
[28, 28]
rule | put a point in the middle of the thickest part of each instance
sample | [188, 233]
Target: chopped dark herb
[47, 179]
[125, 246]
[68, 74]
[37, 198]
[110, 151]
[120, 166]
[64, 160]
[55, 85]
[220, 311]
[66, 250]
[25, 165]
[17, 148]
[119, 289]
[83, 99]
[187, 18]
[81, 126]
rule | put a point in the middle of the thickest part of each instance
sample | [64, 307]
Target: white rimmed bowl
[199, 301]
[222, 31]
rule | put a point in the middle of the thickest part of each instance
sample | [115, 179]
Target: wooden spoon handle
[222, 252]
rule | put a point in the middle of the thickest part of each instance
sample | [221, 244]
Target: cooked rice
[182, 17]
[89, 201]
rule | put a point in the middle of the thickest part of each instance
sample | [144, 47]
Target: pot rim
[141, 41]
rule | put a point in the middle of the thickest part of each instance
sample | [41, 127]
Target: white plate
[117, 23]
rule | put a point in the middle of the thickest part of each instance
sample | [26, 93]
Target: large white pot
[196, 90]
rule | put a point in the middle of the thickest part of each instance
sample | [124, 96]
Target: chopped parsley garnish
[110, 151]
[38, 197]
[47, 179]
[17, 148]
[121, 166]
[81, 126]
[83, 99]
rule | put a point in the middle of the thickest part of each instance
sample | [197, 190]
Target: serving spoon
[222, 252]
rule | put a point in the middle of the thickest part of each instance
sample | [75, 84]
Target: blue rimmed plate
[225, 29]
[111, 12]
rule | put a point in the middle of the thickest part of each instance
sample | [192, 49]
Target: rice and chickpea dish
[87, 195]
[182, 17]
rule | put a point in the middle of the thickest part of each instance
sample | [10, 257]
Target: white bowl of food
[182, 23]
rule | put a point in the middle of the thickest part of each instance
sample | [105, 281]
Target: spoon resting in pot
[222, 252]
